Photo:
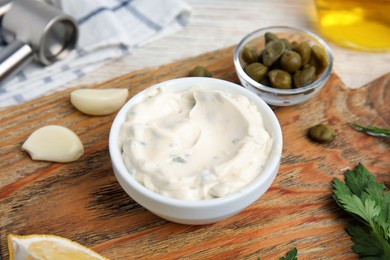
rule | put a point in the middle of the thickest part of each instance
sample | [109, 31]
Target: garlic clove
[98, 102]
[54, 143]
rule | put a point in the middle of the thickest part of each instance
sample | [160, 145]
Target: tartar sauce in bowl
[195, 150]
[194, 144]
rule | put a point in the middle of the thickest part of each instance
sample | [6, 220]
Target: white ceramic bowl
[203, 211]
[274, 96]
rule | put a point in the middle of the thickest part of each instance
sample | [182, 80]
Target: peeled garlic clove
[54, 143]
[98, 102]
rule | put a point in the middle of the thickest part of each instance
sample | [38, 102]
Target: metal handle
[35, 30]
[13, 58]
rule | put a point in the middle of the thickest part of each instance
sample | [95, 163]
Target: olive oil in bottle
[358, 24]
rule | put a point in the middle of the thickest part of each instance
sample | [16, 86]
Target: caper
[304, 50]
[291, 61]
[319, 59]
[272, 52]
[314, 62]
[200, 71]
[294, 44]
[280, 79]
[260, 57]
[249, 54]
[265, 81]
[269, 37]
[321, 56]
[304, 77]
[256, 71]
[286, 43]
[321, 133]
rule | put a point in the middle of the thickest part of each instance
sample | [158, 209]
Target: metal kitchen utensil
[35, 30]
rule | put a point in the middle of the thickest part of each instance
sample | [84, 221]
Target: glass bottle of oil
[359, 24]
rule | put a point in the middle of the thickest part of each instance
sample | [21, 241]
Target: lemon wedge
[98, 102]
[48, 247]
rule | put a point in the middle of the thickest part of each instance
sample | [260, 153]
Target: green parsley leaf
[178, 159]
[365, 243]
[291, 255]
[364, 210]
[358, 180]
[368, 201]
[371, 130]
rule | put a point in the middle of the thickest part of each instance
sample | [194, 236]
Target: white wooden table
[215, 24]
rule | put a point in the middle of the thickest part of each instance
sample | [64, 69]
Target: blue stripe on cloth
[19, 98]
[152, 25]
[182, 19]
[102, 9]
[48, 79]
[123, 48]
[81, 52]
[79, 73]
[65, 67]
[145, 20]
[21, 76]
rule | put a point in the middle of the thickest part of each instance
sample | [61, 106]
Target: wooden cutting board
[82, 200]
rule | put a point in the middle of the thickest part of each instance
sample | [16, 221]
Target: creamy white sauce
[194, 145]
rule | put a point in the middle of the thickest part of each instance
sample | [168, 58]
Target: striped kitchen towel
[108, 29]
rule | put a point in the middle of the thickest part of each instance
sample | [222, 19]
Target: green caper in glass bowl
[283, 65]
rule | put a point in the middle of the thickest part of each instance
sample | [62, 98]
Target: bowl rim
[318, 82]
[271, 165]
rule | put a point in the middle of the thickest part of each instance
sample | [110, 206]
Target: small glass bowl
[275, 96]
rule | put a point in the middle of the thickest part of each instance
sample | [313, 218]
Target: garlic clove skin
[98, 102]
[54, 143]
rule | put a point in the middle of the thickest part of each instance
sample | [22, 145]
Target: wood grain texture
[83, 201]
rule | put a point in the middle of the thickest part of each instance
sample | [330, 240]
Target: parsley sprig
[371, 130]
[368, 201]
[291, 255]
